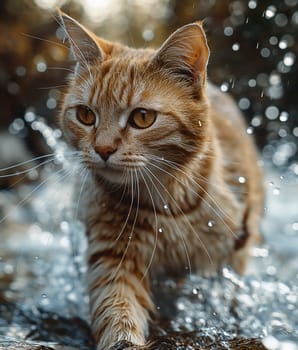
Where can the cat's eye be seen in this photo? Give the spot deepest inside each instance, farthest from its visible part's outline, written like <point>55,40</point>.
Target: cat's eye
<point>141,118</point>
<point>85,115</point>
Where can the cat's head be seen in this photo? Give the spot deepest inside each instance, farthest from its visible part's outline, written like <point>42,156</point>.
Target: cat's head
<point>134,109</point>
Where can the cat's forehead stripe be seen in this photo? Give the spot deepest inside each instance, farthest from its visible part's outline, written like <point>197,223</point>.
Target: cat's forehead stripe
<point>94,95</point>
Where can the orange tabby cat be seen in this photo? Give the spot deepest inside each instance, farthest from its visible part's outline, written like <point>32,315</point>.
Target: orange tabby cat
<point>175,184</point>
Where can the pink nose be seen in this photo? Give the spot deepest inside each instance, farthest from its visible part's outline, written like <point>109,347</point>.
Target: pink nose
<point>105,151</point>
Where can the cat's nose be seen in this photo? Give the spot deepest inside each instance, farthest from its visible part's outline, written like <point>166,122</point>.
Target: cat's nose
<point>105,151</point>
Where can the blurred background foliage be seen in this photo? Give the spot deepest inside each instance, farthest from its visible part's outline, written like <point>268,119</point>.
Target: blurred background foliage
<point>253,56</point>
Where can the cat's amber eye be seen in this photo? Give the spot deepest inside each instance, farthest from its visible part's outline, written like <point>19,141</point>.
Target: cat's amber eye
<point>85,115</point>
<point>141,118</point>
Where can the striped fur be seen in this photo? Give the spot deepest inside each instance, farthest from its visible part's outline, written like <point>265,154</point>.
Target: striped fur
<point>168,198</point>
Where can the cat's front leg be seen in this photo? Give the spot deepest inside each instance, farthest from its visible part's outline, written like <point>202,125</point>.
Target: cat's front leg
<point>119,299</point>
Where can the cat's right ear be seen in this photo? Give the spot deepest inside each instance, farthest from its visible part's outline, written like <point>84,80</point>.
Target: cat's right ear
<point>85,46</point>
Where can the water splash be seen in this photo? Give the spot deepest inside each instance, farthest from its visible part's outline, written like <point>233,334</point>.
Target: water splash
<point>42,265</point>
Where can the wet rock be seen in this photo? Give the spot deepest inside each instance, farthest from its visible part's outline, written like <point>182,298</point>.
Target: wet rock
<point>192,341</point>
<point>12,345</point>
<point>45,330</point>
<point>44,326</point>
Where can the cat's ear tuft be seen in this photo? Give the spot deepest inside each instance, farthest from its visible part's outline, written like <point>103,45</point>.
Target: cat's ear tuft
<point>85,46</point>
<point>185,54</point>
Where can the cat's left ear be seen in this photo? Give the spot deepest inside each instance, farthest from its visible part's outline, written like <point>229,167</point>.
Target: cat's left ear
<point>85,46</point>
<point>185,54</point>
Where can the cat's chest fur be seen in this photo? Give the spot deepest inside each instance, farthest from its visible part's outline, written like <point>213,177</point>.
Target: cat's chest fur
<point>180,227</point>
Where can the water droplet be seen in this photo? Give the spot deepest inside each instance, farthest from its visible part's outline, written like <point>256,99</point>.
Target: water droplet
<point>272,112</point>
<point>252,4</point>
<point>270,343</point>
<point>271,270</point>
<point>148,34</point>
<point>30,116</point>
<point>166,207</point>
<point>64,225</point>
<point>228,31</point>
<point>195,291</point>
<point>72,297</point>
<point>242,179</point>
<point>270,12</point>
<point>289,59</point>
<point>224,87</point>
<point>44,296</point>
<point>283,44</point>
<point>256,121</point>
<point>244,103</point>
<point>20,71</point>
<point>16,126</point>
<point>180,306</point>
<point>295,226</point>
<point>211,223</point>
<point>282,133</point>
<point>252,83</point>
<point>41,66</point>
<point>200,123</point>
<point>188,319</point>
<point>250,130</point>
<point>275,79</point>
<point>273,40</point>
<point>284,116</point>
<point>160,230</point>
<point>8,269</point>
<point>271,183</point>
<point>51,103</point>
<point>236,47</point>
<point>295,17</point>
<point>281,20</point>
<point>276,191</point>
<point>265,52</point>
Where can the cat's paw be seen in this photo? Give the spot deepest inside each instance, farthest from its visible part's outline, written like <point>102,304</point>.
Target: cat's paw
<point>126,345</point>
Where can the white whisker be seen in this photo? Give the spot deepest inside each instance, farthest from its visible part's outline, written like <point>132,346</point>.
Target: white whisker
<point>128,215</point>
<point>202,198</point>
<point>85,176</point>
<point>27,197</point>
<point>27,161</point>
<point>156,227</point>
<point>130,236</point>
<point>183,214</point>
<point>174,220</point>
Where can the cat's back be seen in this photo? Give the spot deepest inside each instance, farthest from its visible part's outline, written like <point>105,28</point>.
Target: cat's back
<point>239,156</point>
<point>230,126</point>
<point>223,106</point>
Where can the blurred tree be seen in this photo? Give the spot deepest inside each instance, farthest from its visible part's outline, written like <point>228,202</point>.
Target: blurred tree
<point>253,54</point>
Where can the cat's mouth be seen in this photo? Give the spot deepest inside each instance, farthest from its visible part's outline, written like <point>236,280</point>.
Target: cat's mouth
<point>121,172</point>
